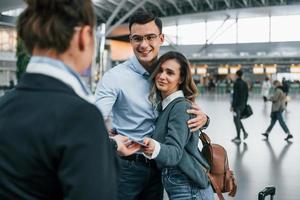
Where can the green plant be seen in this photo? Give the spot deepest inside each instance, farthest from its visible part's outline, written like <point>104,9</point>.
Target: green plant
<point>22,58</point>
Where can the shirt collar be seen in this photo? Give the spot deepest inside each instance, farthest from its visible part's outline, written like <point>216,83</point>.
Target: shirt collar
<point>138,68</point>
<point>171,97</point>
<point>58,70</point>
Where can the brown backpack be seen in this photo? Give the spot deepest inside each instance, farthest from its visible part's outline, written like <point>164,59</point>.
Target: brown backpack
<point>220,175</point>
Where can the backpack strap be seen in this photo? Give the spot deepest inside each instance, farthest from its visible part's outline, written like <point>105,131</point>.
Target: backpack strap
<point>206,141</point>
<point>215,186</point>
<point>204,138</point>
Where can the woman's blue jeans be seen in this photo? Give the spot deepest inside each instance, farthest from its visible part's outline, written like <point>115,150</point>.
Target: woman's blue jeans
<point>180,187</point>
<point>278,116</point>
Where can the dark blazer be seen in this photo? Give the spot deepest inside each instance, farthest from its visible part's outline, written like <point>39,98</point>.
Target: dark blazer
<point>240,95</point>
<point>53,144</point>
<point>179,147</point>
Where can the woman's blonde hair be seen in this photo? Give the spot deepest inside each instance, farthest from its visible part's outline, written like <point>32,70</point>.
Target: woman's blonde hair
<point>187,84</point>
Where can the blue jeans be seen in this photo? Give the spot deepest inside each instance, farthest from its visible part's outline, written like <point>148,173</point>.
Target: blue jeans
<point>139,181</point>
<point>277,116</point>
<point>180,187</point>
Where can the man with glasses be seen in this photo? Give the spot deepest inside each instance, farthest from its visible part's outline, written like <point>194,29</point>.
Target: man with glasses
<point>123,92</point>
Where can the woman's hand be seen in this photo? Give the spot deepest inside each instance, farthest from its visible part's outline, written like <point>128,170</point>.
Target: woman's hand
<point>149,148</point>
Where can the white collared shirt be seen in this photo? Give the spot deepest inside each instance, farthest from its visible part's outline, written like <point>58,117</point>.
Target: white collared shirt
<point>171,97</point>
<point>60,71</point>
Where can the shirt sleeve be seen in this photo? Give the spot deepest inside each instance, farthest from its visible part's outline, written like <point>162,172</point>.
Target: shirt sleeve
<point>155,152</point>
<point>106,94</point>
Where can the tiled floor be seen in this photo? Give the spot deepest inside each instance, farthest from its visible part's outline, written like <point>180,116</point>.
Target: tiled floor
<point>258,163</point>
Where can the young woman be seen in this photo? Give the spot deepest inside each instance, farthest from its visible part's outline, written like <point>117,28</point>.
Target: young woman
<point>278,105</point>
<point>173,146</point>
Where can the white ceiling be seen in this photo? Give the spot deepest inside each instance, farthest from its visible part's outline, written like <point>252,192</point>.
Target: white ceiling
<point>187,18</point>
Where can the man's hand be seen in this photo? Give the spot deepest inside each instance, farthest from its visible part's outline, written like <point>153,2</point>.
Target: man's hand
<point>125,146</point>
<point>199,121</point>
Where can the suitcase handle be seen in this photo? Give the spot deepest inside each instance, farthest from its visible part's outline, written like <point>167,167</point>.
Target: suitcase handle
<point>266,192</point>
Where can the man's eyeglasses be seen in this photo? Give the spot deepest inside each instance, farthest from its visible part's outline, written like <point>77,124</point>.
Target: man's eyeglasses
<point>140,38</point>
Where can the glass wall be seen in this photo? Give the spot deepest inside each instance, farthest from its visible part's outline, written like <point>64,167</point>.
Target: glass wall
<point>170,33</point>
<point>243,30</point>
<point>285,28</point>
<point>221,32</point>
<point>252,30</point>
<point>191,33</point>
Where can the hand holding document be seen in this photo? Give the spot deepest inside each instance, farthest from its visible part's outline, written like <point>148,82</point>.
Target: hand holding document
<point>126,146</point>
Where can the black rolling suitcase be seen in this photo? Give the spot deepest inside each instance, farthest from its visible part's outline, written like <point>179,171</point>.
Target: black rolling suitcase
<point>268,191</point>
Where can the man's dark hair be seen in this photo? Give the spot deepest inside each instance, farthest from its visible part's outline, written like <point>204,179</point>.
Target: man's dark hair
<point>239,73</point>
<point>142,17</point>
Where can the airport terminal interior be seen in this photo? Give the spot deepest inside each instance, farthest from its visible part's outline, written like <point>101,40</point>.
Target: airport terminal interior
<point>219,37</point>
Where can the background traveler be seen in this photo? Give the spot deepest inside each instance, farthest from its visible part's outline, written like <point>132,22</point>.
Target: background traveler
<point>265,89</point>
<point>239,102</point>
<point>278,106</point>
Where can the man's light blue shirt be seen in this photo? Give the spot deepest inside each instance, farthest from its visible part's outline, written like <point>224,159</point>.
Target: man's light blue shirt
<point>122,95</point>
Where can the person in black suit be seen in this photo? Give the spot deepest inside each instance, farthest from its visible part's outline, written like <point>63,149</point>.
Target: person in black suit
<point>239,102</point>
<point>53,141</point>
<point>285,89</point>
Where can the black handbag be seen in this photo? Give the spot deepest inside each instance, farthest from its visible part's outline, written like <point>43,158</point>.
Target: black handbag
<point>247,112</point>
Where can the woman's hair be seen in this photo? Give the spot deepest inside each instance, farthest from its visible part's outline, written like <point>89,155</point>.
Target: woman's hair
<point>50,24</point>
<point>187,85</point>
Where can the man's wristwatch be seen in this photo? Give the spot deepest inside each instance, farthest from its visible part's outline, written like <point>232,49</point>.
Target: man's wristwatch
<point>206,124</point>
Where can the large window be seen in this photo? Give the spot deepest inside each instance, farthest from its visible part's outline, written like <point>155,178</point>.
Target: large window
<point>285,28</point>
<point>191,34</point>
<point>243,30</point>
<point>170,33</point>
<point>221,32</point>
<point>251,30</point>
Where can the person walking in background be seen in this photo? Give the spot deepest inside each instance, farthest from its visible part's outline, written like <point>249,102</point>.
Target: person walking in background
<point>239,102</point>
<point>285,89</point>
<point>123,94</point>
<point>53,141</point>
<point>173,145</point>
<point>278,106</point>
<point>265,89</point>
<point>285,86</point>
